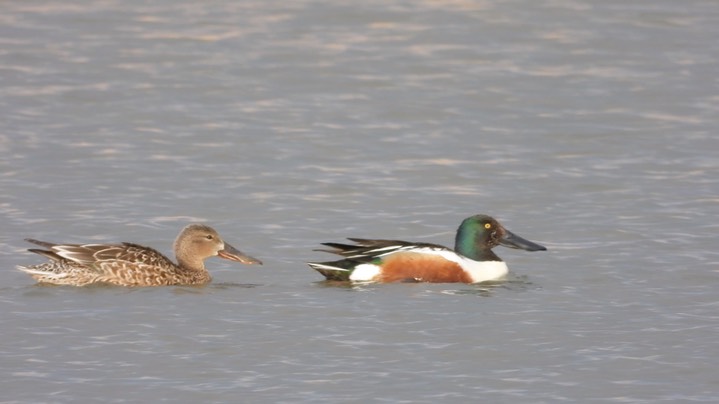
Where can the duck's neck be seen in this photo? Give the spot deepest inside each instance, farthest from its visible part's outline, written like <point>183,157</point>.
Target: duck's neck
<point>192,264</point>
<point>192,272</point>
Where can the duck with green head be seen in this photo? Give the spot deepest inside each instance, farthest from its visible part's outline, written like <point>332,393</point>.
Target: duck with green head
<point>471,261</point>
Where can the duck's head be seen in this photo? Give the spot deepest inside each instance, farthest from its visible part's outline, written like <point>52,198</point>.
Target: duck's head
<point>198,241</point>
<point>478,234</point>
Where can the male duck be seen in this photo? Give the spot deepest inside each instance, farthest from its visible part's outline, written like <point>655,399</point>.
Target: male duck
<point>129,264</point>
<point>472,260</point>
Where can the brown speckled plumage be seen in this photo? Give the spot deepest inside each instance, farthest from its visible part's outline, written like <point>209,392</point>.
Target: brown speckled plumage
<point>128,264</point>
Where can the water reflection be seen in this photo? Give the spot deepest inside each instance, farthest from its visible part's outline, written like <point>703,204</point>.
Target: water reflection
<point>515,283</point>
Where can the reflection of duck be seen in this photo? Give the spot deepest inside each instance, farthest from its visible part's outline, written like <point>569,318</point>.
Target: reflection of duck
<point>471,261</point>
<point>129,264</point>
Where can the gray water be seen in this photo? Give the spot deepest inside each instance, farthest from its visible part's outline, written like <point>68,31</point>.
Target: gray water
<point>586,126</point>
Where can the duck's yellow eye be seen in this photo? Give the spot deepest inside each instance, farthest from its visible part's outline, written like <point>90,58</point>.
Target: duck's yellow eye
<point>488,225</point>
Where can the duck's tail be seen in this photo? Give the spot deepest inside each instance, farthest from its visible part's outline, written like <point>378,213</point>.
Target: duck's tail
<point>330,271</point>
<point>43,272</point>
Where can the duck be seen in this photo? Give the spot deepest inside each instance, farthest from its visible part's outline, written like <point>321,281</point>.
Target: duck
<point>129,264</point>
<point>385,261</point>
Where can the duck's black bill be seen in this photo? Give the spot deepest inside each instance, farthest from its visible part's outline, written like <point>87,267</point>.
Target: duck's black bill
<point>233,254</point>
<point>512,240</point>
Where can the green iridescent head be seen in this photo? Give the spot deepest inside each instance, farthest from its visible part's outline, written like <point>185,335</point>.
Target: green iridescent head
<point>478,234</point>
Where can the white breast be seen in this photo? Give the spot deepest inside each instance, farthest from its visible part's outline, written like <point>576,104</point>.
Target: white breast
<point>479,271</point>
<point>482,271</point>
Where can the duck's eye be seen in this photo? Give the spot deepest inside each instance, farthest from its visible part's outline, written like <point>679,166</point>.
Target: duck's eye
<point>488,225</point>
<point>209,237</point>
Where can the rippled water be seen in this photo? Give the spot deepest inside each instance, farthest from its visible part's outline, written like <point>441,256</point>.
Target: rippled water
<point>587,126</point>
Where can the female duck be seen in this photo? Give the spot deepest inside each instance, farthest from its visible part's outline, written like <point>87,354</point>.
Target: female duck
<point>128,264</point>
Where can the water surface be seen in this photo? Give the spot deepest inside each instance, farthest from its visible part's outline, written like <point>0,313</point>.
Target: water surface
<point>588,127</point>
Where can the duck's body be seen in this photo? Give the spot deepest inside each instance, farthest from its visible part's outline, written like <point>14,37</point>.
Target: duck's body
<point>128,264</point>
<point>471,261</point>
